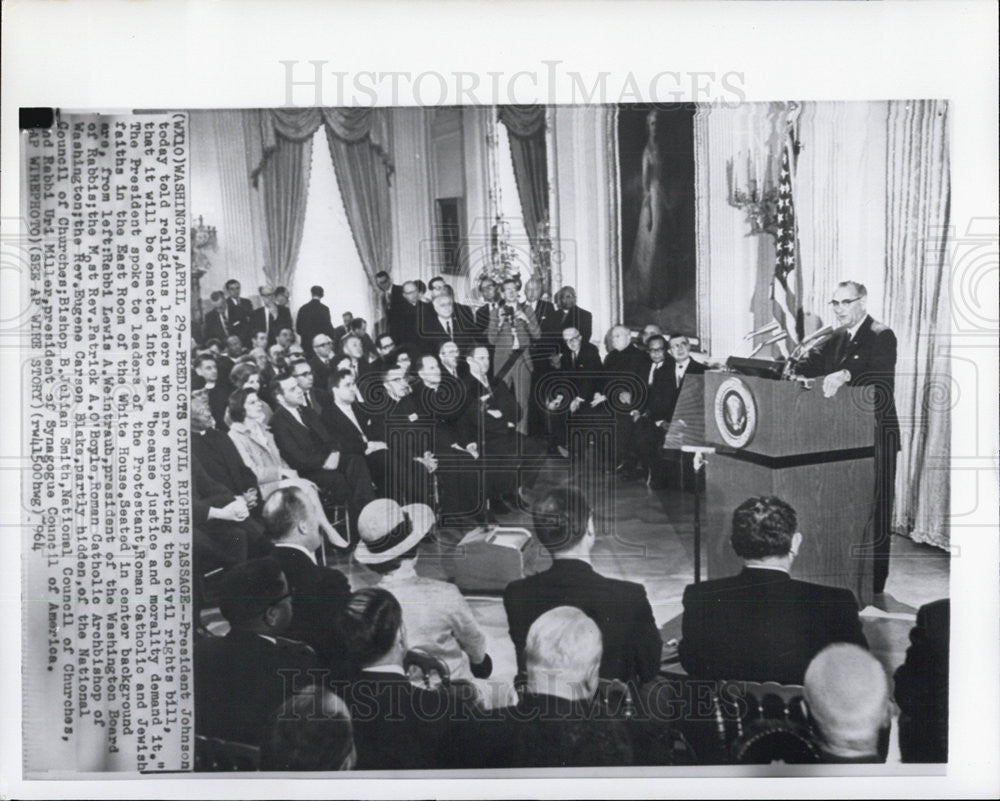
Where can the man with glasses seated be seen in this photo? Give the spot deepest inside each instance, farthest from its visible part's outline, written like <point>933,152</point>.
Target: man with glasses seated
<point>323,359</point>
<point>240,679</point>
<point>862,353</point>
<point>579,370</point>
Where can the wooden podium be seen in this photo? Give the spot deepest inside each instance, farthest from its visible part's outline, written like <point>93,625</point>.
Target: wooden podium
<point>816,453</point>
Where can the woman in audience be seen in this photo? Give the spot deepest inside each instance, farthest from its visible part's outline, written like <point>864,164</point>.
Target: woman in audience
<point>247,375</point>
<point>436,616</point>
<point>260,453</point>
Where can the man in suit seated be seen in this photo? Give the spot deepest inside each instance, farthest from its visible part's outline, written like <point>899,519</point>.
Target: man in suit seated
<point>763,625</point>
<point>847,695</point>
<point>625,369</point>
<point>318,593</point>
<point>317,397</point>
<point>443,405</point>
<point>308,447</point>
<point>217,454</point>
<point>493,411</point>
<point>353,427</point>
<point>225,533</point>
<point>322,361</point>
<point>578,366</point>
<point>557,722</point>
<point>564,524</point>
<point>921,687</point>
<point>652,418</point>
<point>216,387</point>
<point>241,679</point>
<point>396,420</point>
<point>217,324</point>
<point>397,726</point>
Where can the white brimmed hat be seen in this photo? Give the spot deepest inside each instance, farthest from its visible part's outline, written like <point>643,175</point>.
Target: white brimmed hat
<point>388,530</point>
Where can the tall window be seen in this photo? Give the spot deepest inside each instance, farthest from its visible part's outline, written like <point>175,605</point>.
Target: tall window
<point>328,255</point>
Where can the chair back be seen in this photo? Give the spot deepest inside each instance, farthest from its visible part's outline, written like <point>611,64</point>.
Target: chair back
<point>421,665</point>
<point>763,722</point>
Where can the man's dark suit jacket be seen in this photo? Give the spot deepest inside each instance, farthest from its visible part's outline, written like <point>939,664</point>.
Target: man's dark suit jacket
<point>313,318</point>
<point>319,595</point>
<point>433,334</point>
<point>921,687</point>
<point>262,320</point>
<point>621,610</point>
<point>871,359</point>
<point>220,543</point>
<point>216,452</point>
<point>304,446</point>
<point>218,401</point>
<point>671,387</point>
<point>580,319</point>
<point>239,318</point>
<point>347,435</point>
<point>322,371</point>
<point>241,679</point>
<point>215,328</point>
<point>621,364</point>
<point>404,322</point>
<point>763,625</point>
<point>398,726</point>
<point>584,371</point>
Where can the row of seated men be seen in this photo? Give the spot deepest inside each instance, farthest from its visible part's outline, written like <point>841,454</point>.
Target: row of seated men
<point>572,628</point>
<point>527,337</point>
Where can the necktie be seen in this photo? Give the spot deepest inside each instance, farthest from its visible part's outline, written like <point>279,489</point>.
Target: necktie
<point>680,376</point>
<point>652,372</point>
<point>447,325</point>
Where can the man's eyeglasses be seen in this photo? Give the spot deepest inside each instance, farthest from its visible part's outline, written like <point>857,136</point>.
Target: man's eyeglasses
<point>845,303</point>
<point>656,349</point>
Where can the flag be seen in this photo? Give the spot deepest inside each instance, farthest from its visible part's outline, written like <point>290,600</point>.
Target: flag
<point>786,286</point>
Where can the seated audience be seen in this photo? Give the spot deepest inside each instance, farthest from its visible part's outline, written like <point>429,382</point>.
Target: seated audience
<point>310,450</point>
<point>557,722</point>
<point>311,731</point>
<point>564,524</point>
<point>240,679</point>
<point>318,593</point>
<point>259,452</point>
<point>921,687</point>
<point>317,399</point>
<point>397,726</point>
<point>847,696</point>
<point>763,625</point>
<point>436,616</point>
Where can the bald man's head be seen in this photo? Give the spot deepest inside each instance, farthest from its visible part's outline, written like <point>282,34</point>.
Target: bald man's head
<point>847,693</point>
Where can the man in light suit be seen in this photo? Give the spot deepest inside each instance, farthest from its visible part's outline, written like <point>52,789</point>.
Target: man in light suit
<point>512,330</point>
<point>763,625</point>
<point>564,524</point>
<point>862,353</point>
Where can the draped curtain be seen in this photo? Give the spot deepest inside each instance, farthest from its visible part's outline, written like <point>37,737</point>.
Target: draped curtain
<point>526,126</point>
<point>359,141</point>
<point>917,309</point>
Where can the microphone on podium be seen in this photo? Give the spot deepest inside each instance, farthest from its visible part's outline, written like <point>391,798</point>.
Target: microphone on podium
<point>771,341</point>
<point>774,325</point>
